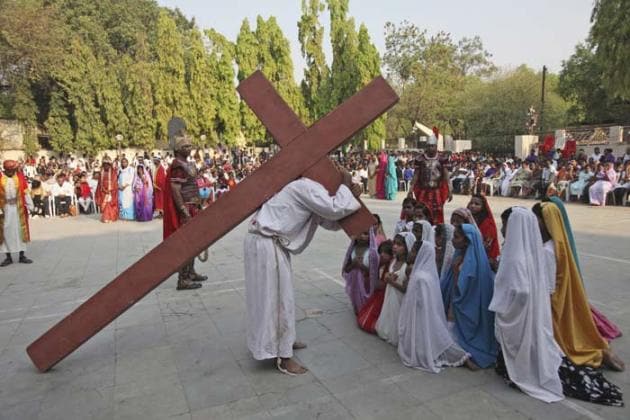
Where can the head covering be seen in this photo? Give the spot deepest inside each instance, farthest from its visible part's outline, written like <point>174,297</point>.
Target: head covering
<point>424,340</point>
<point>573,324</point>
<point>10,164</point>
<point>107,159</point>
<point>410,239</point>
<point>448,249</point>
<point>427,231</point>
<point>474,323</point>
<point>466,214</point>
<point>524,326</point>
<point>488,229</point>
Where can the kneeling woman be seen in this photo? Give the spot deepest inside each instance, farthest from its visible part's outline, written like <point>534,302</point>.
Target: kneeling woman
<point>467,291</point>
<point>424,339</point>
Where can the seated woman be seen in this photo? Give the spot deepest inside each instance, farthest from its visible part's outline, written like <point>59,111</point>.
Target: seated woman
<point>584,176</point>
<point>360,269</point>
<point>424,339</point>
<point>521,180</point>
<point>396,279</point>
<point>478,206</point>
<point>623,184</point>
<point>466,293</point>
<point>524,328</point>
<point>462,215</point>
<point>605,181</point>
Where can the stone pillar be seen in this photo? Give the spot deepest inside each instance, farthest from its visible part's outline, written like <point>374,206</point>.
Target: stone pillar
<point>523,144</point>
<point>401,143</point>
<point>615,134</point>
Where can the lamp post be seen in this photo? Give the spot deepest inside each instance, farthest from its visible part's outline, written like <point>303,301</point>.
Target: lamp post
<point>119,138</point>
<point>203,140</point>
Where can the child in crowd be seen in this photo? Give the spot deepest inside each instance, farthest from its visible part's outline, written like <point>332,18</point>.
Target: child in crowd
<point>422,212</point>
<point>369,313</point>
<point>378,230</point>
<point>406,217</point>
<point>484,219</point>
<point>360,270</point>
<point>396,279</point>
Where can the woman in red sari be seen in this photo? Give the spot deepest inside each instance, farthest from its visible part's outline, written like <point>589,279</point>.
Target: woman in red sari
<point>107,192</point>
<point>478,206</point>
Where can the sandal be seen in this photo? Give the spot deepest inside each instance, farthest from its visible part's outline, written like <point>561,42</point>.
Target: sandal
<point>286,371</point>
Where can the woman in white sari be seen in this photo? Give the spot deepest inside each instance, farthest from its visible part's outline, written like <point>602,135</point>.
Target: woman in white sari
<point>522,304</point>
<point>125,190</point>
<point>424,339</point>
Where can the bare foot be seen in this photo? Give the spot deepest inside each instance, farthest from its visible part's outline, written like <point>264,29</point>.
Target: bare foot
<point>290,367</point>
<point>471,365</point>
<point>613,362</point>
<point>298,345</point>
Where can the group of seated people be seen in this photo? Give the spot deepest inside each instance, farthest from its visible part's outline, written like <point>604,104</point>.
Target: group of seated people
<point>67,186</point>
<point>592,182</point>
<point>447,296</point>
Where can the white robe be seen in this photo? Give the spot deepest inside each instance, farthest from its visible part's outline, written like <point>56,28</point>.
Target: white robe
<point>12,231</point>
<point>521,301</point>
<point>284,225</point>
<point>387,322</point>
<point>424,340</point>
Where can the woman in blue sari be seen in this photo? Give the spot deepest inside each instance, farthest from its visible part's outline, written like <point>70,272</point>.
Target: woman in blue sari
<point>467,289</point>
<point>391,179</point>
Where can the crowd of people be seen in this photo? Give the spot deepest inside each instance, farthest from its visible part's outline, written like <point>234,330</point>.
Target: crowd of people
<point>446,295</point>
<point>597,179</point>
<point>125,187</point>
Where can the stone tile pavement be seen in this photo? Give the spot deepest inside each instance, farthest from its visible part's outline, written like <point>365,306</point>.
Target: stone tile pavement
<point>182,355</point>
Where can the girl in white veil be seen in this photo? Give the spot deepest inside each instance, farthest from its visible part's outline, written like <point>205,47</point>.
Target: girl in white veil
<point>424,339</point>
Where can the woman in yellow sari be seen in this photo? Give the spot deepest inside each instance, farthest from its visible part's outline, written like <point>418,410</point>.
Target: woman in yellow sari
<point>574,329</point>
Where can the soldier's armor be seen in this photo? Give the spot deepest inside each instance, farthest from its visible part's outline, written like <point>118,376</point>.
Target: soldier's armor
<point>430,172</point>
<point>189,188</point>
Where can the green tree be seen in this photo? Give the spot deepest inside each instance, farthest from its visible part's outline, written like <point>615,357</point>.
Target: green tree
<point>581,84</point>
<point>58,122</point>
<point>496,110</point>
<point>169,85</point>
<point>368,67</point>
<point>610,37</point>
<point>25,111</point>
<point>344,77</point>
<point>247,59</point>
<point>316,72</point>
<point>227,118</point>
<point>274,60</point>
<point>200,80</point>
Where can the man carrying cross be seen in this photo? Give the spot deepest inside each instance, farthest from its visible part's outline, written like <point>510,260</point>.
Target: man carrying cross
<point>285,225</point>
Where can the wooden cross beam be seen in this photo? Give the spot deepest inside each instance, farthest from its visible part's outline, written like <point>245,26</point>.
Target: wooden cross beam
<point>302,153</point>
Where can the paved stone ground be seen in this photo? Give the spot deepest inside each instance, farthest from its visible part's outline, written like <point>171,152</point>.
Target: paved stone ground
<point>182,355</point>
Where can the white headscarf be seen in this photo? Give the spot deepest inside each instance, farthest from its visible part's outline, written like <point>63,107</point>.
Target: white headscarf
<point>523,323</point>
<point>449,249</point>
<point>424,340</point>
<point>410,239</point>
<point>427,231</point>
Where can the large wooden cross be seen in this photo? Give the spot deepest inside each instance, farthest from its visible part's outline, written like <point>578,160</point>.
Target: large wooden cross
<point>304,153</point>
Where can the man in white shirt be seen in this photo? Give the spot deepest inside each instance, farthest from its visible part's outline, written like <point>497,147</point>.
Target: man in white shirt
<point>596,156</point>
<point>283,226</point>
<point>62,194</point>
